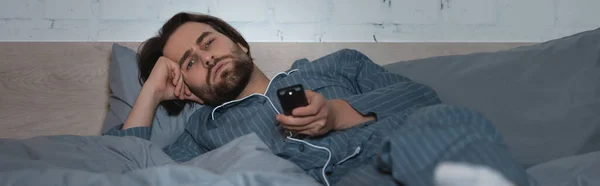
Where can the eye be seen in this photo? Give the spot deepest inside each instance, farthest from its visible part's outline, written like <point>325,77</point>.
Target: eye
<point>192,61</point>
<point>208,43</point>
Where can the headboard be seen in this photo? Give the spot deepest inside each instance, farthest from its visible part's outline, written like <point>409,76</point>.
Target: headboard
<point>62,88</point>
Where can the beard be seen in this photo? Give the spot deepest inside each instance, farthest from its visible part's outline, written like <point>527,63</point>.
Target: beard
<point>233,81</point>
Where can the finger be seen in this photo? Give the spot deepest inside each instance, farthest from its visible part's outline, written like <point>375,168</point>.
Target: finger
<point>179,81</point>
<point>194,98</point>
<point>314,132</point>
<point>294,121</point>
<point>188,92</point>
<point>181,89</point>
<point>309,95</point>
<point>309,132</point>
<point>177,74</point>
<point>297,128</point>
<point>177,90</point>
<point>316,124</point>
<point>173,77</point>
<point>309,110</point>
<point>317,101</point>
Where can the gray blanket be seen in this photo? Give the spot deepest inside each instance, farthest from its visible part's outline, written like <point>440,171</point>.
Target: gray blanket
<point>580,170</point>
<point>107,160</point>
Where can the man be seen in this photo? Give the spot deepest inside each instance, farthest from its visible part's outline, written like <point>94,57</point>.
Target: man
<point>365,125</point>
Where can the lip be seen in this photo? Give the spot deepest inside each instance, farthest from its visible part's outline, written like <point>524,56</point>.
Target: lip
<point>217,70</point>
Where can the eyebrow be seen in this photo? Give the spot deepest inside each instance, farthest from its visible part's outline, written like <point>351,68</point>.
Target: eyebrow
<point>189,51</point>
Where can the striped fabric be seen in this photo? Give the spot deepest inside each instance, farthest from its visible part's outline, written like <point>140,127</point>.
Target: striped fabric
<point>368,88</point>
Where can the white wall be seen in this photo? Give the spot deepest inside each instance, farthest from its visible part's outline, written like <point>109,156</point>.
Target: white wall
<point>305,20</point>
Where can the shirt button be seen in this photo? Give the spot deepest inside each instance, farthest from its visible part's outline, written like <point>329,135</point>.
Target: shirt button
<point>328,172</point>
<point>301,147</point>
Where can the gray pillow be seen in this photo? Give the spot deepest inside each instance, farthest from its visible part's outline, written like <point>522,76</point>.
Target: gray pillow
<point>125,87</point>
<point>544,98</point>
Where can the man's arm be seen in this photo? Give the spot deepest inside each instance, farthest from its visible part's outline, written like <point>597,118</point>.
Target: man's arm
<point>143,110</point>
<point>139,120</point>
<point>379,93</point>
<point>345,116</point>
<point>184,148</point>
<point>164,83</point>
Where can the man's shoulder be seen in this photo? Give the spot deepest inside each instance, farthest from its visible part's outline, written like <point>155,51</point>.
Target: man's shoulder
<point>351,52</point>
<point>344,55</point>
<point>201,111</point>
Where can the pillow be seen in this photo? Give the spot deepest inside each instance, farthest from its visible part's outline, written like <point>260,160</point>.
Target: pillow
<point>544,98</point>
<point>125,87</point>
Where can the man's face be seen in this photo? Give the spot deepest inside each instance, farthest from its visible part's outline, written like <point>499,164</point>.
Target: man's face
<point>214,68</point>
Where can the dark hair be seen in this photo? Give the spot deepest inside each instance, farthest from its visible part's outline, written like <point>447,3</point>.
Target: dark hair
<point>152,49</point>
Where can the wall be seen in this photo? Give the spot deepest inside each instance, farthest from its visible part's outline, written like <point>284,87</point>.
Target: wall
<point>305,20</point>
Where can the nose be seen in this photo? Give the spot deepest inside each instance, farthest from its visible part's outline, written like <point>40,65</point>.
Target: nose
<point>207,58</point>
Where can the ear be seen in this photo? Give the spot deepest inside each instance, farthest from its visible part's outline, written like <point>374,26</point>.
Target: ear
<point>243,48</point>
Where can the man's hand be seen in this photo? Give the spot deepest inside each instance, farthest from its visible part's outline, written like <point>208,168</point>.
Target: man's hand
<point>322,116</point>
<point>315,119</point>
<point>166,82</point>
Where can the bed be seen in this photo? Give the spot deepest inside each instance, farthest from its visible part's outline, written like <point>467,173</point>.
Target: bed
<point>543,97</point>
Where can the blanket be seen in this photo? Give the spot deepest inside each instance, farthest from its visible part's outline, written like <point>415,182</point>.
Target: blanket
<point>106,160</point>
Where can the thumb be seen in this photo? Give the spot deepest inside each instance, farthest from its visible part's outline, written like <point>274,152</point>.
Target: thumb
<point>315,98</point>
<point>194,98</point>
<point>309,95</point>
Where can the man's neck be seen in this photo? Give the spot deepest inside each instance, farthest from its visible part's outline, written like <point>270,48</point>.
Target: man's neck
<point>258,83</point>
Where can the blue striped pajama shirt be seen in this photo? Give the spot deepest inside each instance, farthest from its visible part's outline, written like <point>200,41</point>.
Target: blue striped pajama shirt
<point>413,130</point>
